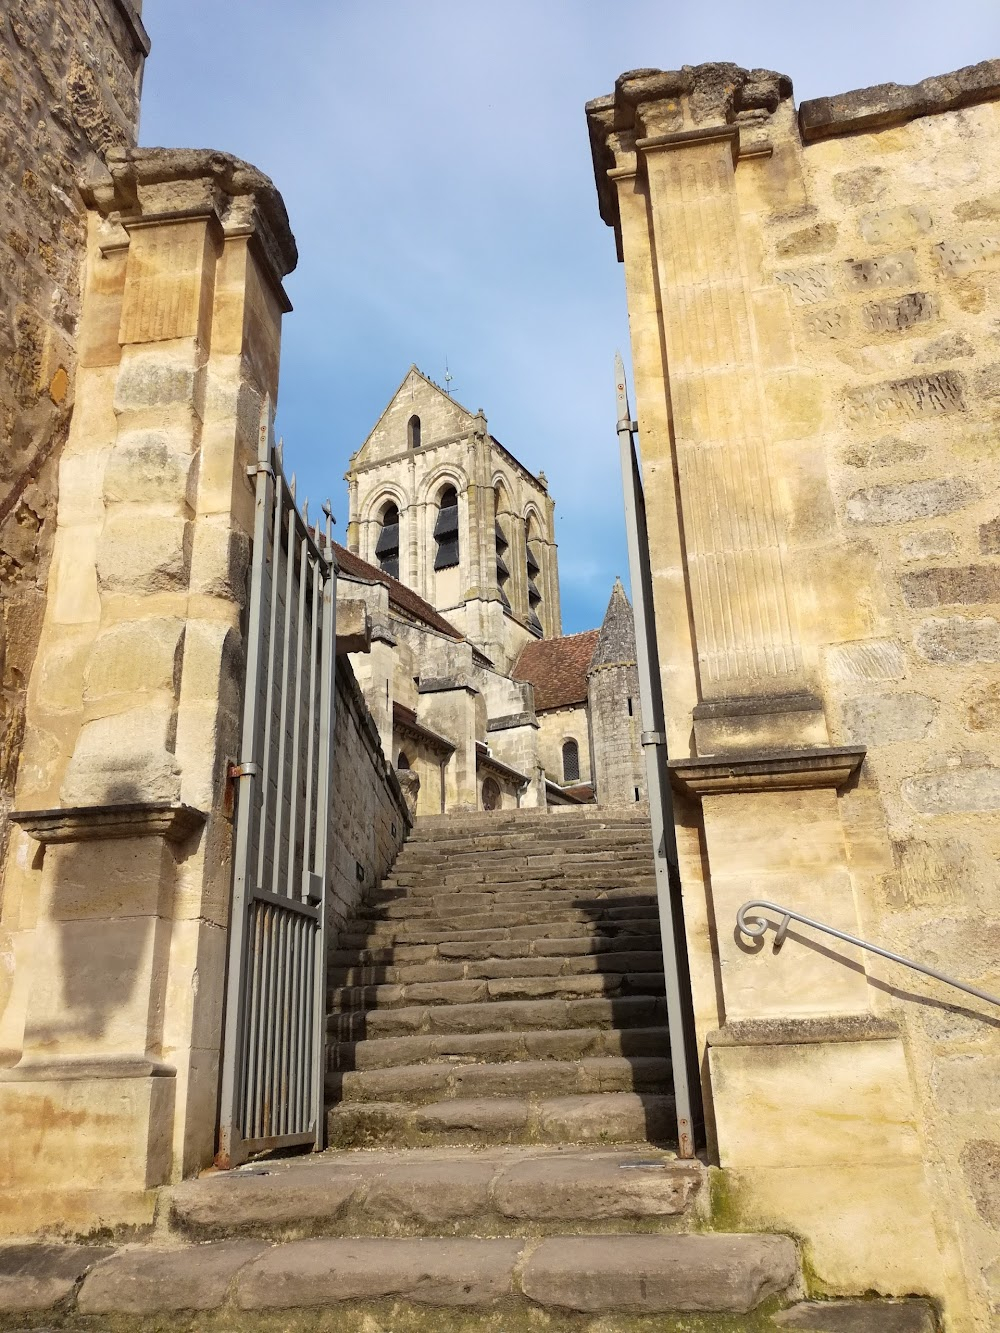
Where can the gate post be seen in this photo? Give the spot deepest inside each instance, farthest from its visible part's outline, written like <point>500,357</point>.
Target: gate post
<point>810,1104</point>
<point>118,882</point>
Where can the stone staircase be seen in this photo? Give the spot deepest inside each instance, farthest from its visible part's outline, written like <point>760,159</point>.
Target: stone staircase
<point>500,1129</point>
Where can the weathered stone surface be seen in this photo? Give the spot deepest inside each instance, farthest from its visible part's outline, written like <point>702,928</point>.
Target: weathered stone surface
<point>874,659</point>
<point>237,1200</point>
<point>983,708</point>
<point>37,1277</point>
<point>604,1186</point>
<point>955,585</point>
<point>910,399</point>
<point>882,271</point>
<point>895,103</point>
<point>935,544</point>
<point>149,1281</point>
<point>860,1317</point>
<point>487,1115</point>
<point>960,640</point>
<point>890,226</point>
<point>981,1168</point>
<point>879,719</point>
<point>659,1274</point>
<point>431,1193</point>
<point>989,537</point>
<point>616,1117</point>
<point>814,240</point>
<point>901,313</point>
<point>955,791</point>
<point>901,502</point>
<point>313,1273</point>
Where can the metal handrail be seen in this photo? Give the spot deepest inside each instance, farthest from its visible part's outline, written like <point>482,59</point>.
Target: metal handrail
<point>759,928</point>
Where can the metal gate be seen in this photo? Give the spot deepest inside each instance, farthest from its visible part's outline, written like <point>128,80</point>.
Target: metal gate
<point>274,1050</point>
<point>680,1007</point>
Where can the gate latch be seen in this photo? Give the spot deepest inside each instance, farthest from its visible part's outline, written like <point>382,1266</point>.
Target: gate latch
<point>248,770</point>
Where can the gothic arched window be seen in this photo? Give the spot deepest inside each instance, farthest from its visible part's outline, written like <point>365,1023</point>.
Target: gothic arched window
<point>446,530</point>
<point>502,545</point>
<point>533,570</point>
<point>403,762</point>
<point>387,546</point>
<point>413,432</point>
<point>571,761</point>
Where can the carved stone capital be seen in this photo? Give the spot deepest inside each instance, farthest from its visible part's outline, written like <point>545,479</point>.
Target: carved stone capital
<point>657,108</point>
<point>142,185</point>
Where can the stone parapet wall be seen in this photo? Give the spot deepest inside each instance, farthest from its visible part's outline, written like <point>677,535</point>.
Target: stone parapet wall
<point>70,74</point>
<point>370,819</point>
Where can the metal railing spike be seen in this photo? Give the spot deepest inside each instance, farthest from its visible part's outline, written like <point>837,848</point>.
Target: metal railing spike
<point>757,928</point>
<point>305,511</point>
<point>291,486</point>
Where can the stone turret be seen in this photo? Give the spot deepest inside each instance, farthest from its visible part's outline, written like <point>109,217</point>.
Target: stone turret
<point>613,702</point>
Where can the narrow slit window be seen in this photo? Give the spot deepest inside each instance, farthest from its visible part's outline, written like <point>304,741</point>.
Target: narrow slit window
<point>387,546</point>
<point>571,761</point>
<point>413,433</point>
<point>446,530</point>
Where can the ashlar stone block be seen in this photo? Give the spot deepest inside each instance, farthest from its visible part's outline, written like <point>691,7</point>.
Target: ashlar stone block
<point>125,757</point>
<point>142,553</point>
<point>134,657</point>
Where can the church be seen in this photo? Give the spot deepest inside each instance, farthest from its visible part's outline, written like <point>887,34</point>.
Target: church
<point>472,684</point>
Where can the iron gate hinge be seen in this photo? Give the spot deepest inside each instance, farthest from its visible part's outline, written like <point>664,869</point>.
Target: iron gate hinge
<point>254,468</point>
<point>247,770</point>
<point>652,738</point>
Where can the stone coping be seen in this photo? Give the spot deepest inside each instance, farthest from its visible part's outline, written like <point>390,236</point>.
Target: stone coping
<point>832,1028</point>
<point>135,25</point>
<point>783,770</point>
<point>866,110</point>
<point>88,823</point>
<point>511,720</point>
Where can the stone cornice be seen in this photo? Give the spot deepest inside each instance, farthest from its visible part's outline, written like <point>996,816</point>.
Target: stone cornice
<point>789,770</point>
<point>138,33</point>
<point>650,105</point>
<point>88,823</point>
<point>146,184</point>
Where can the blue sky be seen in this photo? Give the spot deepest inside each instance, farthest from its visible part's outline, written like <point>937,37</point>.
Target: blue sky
<point>435,164</point>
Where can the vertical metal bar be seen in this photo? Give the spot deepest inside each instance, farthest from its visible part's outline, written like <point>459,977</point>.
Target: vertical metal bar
<point>266,818</point>
<point>281,1017</point>
<point>300,1054</point>
<point>276,886</point>
<point>270,1025</point>
<point>247,799</point>
<point>251,986</point>
<point>308,853</point>
<point>324,815</point>
<point>680,1019</point>
<point>294,881</point>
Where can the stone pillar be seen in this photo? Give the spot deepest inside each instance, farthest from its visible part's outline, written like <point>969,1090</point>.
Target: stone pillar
<point>119,881</point>
<point>804,1079</point>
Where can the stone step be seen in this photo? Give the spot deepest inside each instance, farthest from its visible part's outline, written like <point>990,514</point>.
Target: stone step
<point>420,1084</point>
<point>509,881</point>
<point>625,1012</point>
<point>608,1117</point>
<point>604,963</point>
<point>538,915</point>
<point>403,904</point>
<point>603,845</point>
<point>397,996</point>
<point>568,1044</point>
<point>335,1282</point>
<point>442,1191</point>
<point>360,955</point>
<point>394,934</point>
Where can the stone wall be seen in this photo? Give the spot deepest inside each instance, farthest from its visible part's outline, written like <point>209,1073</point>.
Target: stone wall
<point>615,726</point>
<point>370,817</point>
<point>555,727</point>
<point>822,490</point>
<point>70,73</point>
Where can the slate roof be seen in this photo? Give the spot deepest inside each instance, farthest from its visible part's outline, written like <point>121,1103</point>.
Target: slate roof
<point>400,597</point>
<point>557,668</point>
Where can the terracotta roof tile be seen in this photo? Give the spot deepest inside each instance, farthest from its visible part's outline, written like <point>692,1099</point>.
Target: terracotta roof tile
<point>402,598</point>
<point>557,668</point>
